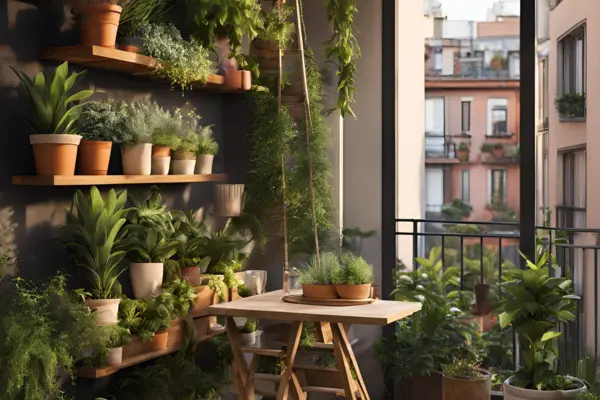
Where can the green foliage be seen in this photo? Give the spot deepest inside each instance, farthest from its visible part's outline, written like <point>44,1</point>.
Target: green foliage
<point>156,317</point>
<point>42,329</point>
<point>183,297</point>
<point>116,336</point>
<point>222,246</point>
<point>101,120</point>
<point>166,129</point>
<point>150,212</point>
<point>464,368</point>
<point>571,105</point>
<point>225,18</point>
<point>465,228</point>
<point>343,47</point>
<point>182,62</point>
<point>229,278</point>
<point>217,284</point>
<point>321,273</point>
<point>140,120</point>
<point>243,290</point>
<point>276,25</point>
<point>498,343</point>
<point>307,337</point>
<point>354,271</point>
<point>498,377</point>
<point>250,326</point>
<point>130,313</point>
<point>137,13</point>
<point>227,265</point>
<point>206,142</point>
<point>189,143</point>
<point>150,246</point>
<point>534,305</point>
<point>456,210</point>
<point>463,147</point>
<point>51,101</point>
<point>352,239</point>
<point>96,238</point>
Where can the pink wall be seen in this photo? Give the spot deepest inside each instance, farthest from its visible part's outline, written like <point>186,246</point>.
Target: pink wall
<point>504,27</point>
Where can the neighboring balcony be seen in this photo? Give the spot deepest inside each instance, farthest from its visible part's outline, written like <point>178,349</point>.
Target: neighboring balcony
<point>494,152</point>
<point>446,149</point>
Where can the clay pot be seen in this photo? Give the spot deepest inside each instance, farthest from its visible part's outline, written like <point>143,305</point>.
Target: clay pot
<point>137,159</point>
<point>93,157</point>
<point>99,24</point>
<point>483,303</point>
<point>146,278</point>
<point>192,275</point>
<point>204,164</point>
<point>516,393</point>
<point>498,152</point>
<point>462,155</point>
<point>106,310</point>
<point>55,154</point>
<point>233,78</point>
<point>161,165</point>
<point>353,292</point>
<point>131,44</point>
<point>183,167</point>
<point>246,80</point>
<point>466,389</point>
<point>319,291</point>
<point>228,200</point>
<point>115,356</point>
<point>159,341</point>
<point>266,44</point>
<point>419,387</point>
<point>161,151</point>
<point>248,339</point>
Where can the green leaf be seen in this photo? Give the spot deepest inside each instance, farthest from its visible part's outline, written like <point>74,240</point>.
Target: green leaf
<point>550,335</point>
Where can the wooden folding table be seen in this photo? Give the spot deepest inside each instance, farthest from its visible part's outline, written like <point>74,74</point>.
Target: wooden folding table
<point>271,306</point>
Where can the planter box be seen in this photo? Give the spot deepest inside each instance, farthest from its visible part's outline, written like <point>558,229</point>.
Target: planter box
<point>137,346</point>
<point>419,388</point>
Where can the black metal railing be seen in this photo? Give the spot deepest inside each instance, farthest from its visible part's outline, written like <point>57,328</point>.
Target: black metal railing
<point>439,146</point>
<point>484,250</point>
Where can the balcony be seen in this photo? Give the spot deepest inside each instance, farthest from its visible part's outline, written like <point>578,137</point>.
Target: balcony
<point>446,149</point>
<point>499,153</point>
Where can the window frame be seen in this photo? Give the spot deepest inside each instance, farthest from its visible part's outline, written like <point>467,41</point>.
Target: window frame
<point>568,210</point>
<point>567,65</point>
<point>465,124</point>
<point>465,190</point>
<point>490,194</point>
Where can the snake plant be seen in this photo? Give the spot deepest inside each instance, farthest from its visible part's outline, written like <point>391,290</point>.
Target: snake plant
<point>51,103</point>
<point>96,239</point>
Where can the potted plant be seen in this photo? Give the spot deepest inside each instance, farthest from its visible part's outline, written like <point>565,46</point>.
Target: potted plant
<point>276,31</point>
<point>164,139</point>
<point>98,125</point>
<point>134,15</point>
<point>207,149</point>
<point>135,137</point>
<point>456,210</point>
<point>248,332</point>
<point>534,305</point>
<point>148,252</point>
<point>571,105</point>
<point>155,321</point>
<point>184,155</point>
<point>354,279</point>
<point>228,200</point>
<point>464,380</point>
<point>183,297</point>
<point>317,277</point>
<point>99,21</point>
<point>463,152</point>
<point>498,150</point>
<point>52,114</point>
<point>112,354</point>
<point>94,218</point>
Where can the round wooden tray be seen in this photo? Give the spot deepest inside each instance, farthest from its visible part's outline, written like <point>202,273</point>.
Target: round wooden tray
<point>325,302</point>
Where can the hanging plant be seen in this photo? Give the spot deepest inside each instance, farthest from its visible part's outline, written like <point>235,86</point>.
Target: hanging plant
<point>343,47</point>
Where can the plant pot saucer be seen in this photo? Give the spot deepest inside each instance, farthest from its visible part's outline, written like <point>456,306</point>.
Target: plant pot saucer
<point>326,302</point>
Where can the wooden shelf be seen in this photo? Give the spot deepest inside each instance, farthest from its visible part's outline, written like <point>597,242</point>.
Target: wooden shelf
<point>89,180</point>
<point>122,61</point>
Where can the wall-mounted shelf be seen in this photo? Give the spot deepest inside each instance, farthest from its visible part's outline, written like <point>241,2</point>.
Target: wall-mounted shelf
<point>122,61</point>
<point>89,180</point>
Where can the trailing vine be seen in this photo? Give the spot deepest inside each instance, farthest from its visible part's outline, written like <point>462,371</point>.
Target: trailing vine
<point>343,46</point>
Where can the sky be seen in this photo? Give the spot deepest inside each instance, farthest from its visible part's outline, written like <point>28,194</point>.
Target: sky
<point>472,10</point>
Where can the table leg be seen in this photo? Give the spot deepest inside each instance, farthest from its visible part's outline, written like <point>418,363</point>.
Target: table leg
<point>350,355</point>
<point>240,367</point>
<point>342,364</point>
<point>292,349</point>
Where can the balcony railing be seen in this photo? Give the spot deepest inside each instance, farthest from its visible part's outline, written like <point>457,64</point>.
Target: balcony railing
<point>439,146</point>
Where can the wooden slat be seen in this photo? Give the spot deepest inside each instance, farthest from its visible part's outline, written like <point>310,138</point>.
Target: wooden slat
<point>267,377</point>
<point>318,389</point>
<point>264,352</point>
<point>88,180</point>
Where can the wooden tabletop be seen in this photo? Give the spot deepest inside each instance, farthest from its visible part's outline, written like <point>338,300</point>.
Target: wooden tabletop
<point>271,306</point>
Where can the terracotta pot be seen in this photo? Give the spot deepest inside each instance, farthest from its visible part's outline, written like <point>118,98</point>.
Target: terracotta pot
<point>137,159</point>
<point>132,44</point>
<point>266,44</point>
<point>115,356</point>
<point>161,151</point>
<point>106,310</point>
<point>483,303</point>
<point>99,24</point>
<point>205,297</point>
<point>55,154</point>
<point>146,278</point>
<point>319,291</point>
<point>498,152</point>
<point>354,292</point>
<point>233,78</point>
<point>515,393</point>
<point>248,339</point>
<point>204,164</point>
<point>246,80</point>
<point>466,389</point>
<point>93,157</point>
<point>161,165</point>
<point>228,200</point>
<point>192,275</point>
<point>419,388</point>
<point>462,155</point>
<point>159,341</point>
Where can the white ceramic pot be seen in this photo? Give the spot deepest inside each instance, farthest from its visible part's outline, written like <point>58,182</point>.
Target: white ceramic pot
<point>248,339</point>
<point>183,167</point>
<point>160,165</point>
<point>146,278</point>
<point>114,357</point>
<point>204,164</point>
<point>137,158</point>
<point>516,393</point>
<point>106,310</point>
<point>228,200</point>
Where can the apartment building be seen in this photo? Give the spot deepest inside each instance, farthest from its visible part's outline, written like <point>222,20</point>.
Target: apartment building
<point>472,117</point>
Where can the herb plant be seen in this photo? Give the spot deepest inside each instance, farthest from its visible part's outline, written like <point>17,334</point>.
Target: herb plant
<point>137,13</point>
<point>189,143</point>
<point>206,142</point>
<point>276,25</point>
<point>165,130</point>
<point>463,368</point>
<point>101,120</point>
<point>321,273</point>
<point>354,271</point>
<point>183,297</point>
<point>250,326</point>
<point>51,102</point>
<point>139,122</point>
<point>217,284</point>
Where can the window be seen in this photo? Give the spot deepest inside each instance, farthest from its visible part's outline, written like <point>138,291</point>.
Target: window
<point>497,186</point>
<point>571,214</point>
<point>543,94</point>
<point>465,186</point>
<point>514,65</point>
<point>437,59</point>
<point>571,62</point>
<point>465,107</point>
<point>497,117</point>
